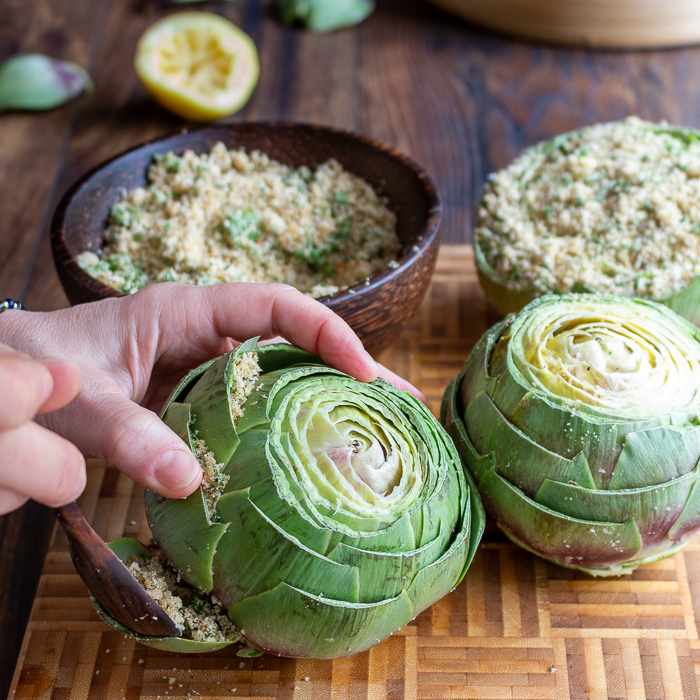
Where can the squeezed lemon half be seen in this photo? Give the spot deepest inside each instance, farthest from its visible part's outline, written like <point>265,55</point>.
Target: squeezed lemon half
<point>198,65</point>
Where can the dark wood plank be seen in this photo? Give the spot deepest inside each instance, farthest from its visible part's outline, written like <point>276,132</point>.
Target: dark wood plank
<point>33,145</point>
<point>32,148</point>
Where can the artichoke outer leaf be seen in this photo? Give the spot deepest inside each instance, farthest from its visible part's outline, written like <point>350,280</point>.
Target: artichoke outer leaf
<point>688,521</point>
<point>654,509</point>
<point>292,520</point>
<point>655,456</point>
<point>489,431</point>
<point>282,355</point>
<point>278,622</point>
<point>126,549</point>
<point>184,533</point>
<point>476,523</point>
<point>475,376</point>
<point>377,570</point>
<point>178,417</point>
<point>180,392</point>
<point>449,569</point>
<point>476,464</point>
<point>385,540</point>
<point>548,532</point>
<point>211,409</point>
<point>246,468</point>
<point>559,428</point>
<point>286,560</point>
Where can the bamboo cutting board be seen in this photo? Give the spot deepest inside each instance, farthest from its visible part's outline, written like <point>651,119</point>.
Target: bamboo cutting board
<point>516,627</point>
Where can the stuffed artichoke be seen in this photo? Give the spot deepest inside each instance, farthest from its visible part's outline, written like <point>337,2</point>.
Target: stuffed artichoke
<point>579,419</point>
<point>332,512</point>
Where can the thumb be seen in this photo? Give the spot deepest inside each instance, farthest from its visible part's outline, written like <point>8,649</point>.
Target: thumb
<point>138,443</point>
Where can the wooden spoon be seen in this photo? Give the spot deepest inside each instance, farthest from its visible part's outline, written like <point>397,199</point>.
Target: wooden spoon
<point>114,588</point>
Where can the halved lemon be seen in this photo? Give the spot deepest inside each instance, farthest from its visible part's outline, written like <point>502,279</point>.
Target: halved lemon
<point>198,65</point>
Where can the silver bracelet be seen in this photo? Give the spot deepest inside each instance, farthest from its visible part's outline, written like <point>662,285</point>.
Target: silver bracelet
<point>10,304</point>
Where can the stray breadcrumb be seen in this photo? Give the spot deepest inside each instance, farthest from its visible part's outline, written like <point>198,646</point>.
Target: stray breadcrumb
<point>611,208</point>
<point>232,216</point>
<point>197,618</point>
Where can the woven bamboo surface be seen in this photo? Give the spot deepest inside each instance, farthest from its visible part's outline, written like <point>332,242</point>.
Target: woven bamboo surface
<point>516,627</point>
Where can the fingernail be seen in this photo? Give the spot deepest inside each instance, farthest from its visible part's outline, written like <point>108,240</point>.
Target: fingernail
<point>176,470</point>
<point>370,359</point>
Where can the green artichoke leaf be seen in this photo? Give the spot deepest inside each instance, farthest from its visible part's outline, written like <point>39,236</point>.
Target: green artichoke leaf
<point>180,392</point>
<point>276,356</point>
<point>286,560</point>
<point>594,545</point>
<point>384,574</point>
<point>489,431</point>
<point>477,464</point>
<point>210,397</point>
<point>446,569</point>
<point>184,533</point>
<point>689,520</point>
<point>476,376</point>
<point>654,510</point>
<point>656,456</point>
<point>276,620</point>
<point>569,432</point>
<point>178,416</point>
<point>128,549</point>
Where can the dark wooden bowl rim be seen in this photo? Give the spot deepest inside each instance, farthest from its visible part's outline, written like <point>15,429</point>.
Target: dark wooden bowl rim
<point>410,252</point>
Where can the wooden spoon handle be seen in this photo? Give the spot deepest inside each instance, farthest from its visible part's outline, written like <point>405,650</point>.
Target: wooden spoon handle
<point>109,581</point>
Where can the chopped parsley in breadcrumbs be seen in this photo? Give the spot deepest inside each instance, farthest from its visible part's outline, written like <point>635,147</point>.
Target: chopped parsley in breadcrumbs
<point>195,616</point>
<point>233,216</point>
<point>611,208</point>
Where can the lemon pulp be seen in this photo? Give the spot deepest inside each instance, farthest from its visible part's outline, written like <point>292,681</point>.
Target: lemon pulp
<point>198,65</point>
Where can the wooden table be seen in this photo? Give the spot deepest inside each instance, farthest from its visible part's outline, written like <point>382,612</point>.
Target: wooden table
<point>461,101</point>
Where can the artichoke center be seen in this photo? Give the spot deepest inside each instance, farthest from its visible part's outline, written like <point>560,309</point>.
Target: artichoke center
<point>630,360</point>
<point>352,456</point>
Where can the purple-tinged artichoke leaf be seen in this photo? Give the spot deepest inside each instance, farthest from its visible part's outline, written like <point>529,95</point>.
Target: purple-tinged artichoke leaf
<point>36,82</point>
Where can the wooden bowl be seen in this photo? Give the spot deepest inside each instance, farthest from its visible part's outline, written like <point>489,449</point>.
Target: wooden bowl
<point>605,23</point>
<point>378,310</point>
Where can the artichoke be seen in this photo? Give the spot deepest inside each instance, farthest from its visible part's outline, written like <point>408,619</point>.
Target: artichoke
<point>332,512</point>
<point>579,419</point>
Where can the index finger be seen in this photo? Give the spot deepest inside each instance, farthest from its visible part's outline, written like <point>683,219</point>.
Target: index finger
<point>242,311</point>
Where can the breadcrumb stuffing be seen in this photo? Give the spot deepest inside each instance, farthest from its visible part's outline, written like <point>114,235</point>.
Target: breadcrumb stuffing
<point>233,216</point>
<point>197,618</point>
<point>611,208</point>
<point>214,479</point>
<point>246,370</point>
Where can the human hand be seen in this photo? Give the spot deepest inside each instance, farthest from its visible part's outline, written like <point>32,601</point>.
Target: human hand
<point>133,351</point>
<point>35,462</point>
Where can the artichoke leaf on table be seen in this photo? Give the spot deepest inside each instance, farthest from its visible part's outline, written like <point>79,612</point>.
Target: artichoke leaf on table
<point>332,511</point>
<point>579,419</point>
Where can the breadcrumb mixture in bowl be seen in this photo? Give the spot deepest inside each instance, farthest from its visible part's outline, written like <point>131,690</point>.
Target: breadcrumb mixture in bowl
<point>612,208</point>
<point>233,216</point>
